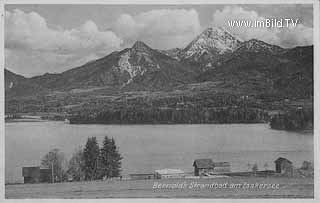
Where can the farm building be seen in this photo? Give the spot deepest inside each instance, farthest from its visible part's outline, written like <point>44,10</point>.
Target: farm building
<point>307,165</point>
<point>169,173</point>
<point>221,167</point>
<point>207,166</point>
<point>141,176</point>
<point>35,174</point>
<point>31,174</point>
<point>202,166</point>
<point>283,166</point>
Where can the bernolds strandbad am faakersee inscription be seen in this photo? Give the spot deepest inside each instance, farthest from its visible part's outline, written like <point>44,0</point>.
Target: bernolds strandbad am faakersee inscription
<point>159,101</point>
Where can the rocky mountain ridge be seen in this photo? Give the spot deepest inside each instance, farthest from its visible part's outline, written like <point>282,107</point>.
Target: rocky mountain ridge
<point>215,55</point>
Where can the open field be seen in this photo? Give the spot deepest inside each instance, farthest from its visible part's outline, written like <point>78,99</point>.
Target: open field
<point>191,188</point>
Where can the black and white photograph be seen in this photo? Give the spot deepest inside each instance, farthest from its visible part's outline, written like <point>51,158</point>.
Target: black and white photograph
<point>161,100</point>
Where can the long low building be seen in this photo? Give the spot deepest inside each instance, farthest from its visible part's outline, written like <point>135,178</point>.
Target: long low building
<point>169,173</point>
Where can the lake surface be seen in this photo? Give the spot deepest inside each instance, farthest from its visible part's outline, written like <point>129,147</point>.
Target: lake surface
<point>146,148</point>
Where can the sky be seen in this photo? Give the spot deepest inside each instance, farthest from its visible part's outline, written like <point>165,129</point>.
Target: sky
<point>53,38</point>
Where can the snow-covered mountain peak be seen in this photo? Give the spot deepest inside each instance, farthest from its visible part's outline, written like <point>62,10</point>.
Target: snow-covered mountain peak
<point>214,41</point>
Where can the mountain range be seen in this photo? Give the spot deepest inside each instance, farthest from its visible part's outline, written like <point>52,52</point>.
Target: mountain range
<point>215,55</point>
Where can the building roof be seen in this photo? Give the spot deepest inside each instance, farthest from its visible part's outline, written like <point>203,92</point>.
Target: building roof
<point>45,171</point>
<point>169,171</point>
<point>281,159</point>
<point>30,171</point>
<point>203,163</point>
<point>221,164</point>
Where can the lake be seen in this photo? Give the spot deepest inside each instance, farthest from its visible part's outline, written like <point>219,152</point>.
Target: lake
<point>146,148</point>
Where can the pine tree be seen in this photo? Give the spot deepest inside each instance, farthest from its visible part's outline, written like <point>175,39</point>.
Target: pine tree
<point>115,160</point>
<point>105,158</point>
<point>91,158</point>
<point>110,159</point>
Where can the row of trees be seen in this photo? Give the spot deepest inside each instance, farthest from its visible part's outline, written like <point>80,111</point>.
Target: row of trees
<point>90,163</point>
<point>298,119</point>
<point>172,115</point>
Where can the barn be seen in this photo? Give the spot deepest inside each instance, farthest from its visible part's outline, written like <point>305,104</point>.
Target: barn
<point>31,174</point>
<point>202,166</point>
<point>283,166</point>
<point>35,174</point>
<point>208,167</point>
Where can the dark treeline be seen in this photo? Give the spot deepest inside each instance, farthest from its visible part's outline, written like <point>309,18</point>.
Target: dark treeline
<point>195,109</point>
<point>172,116</point>
<point>55,104</point>
<point>294,119</point>
<point>166,108</point>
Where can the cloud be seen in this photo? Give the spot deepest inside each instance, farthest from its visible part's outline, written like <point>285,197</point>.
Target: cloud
<point>298,36</point>
<point>30,31</point>
<point>162,28</point>
<point>286,37</point>
<point>33,47</point>
<point>28,37</point>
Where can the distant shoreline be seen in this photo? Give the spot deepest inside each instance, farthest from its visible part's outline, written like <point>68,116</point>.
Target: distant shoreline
<point>23,120</point>
<point>304,131</point>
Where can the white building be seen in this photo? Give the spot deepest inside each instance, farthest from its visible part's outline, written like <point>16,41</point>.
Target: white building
<point>169,173</point>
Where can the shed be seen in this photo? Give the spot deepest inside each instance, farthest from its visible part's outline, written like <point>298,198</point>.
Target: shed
<point>169,173</point>
<point>202,166</point>
<point>31,174</point>
<point>283,165</point>
<point>307,165</point>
